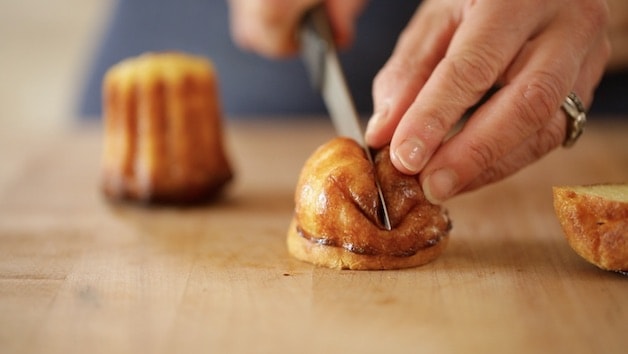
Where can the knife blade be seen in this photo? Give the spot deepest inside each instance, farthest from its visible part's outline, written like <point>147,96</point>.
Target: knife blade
<point>326,74</point>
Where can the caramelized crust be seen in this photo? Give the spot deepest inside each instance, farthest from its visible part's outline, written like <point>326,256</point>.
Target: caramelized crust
<point>163,134</point>
<point>336,221</point>
<point>595,222</point>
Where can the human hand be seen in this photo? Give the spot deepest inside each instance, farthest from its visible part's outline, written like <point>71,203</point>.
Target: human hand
<point>269,28</point>
<point>451,53</point>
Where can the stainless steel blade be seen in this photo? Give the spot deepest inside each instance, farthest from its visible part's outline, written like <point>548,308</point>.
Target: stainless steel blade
<point>321,59</point>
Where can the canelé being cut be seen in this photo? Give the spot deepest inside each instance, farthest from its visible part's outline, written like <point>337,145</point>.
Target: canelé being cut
<point>336,221</point>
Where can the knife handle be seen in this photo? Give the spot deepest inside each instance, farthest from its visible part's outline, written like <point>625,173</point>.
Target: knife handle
<point>316,39</point>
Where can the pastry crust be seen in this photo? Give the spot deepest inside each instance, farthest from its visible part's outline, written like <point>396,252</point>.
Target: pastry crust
<point>336,222</point>
<point>594,220</point>
<point>162,130</point>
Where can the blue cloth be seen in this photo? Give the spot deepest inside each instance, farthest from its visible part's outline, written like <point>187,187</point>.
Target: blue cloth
<point>251,85</point>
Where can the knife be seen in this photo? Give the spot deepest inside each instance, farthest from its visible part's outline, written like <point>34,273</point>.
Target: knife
<point>321,60</point>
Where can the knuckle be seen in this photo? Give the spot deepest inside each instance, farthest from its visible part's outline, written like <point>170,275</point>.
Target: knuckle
<point>438,122</point>
<point>489,175</point>
<point>594,17</point>
<point>483,154</point>
<point>264,27</point>
<point>548,138</point>
<point>270,12</point>
<point>389,76</point>
<point>597,13</point>
<point>540,100</point>
<point>401,71</point>
<point>475,70</point>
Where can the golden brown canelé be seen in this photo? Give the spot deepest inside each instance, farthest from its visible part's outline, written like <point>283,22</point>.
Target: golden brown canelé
<point>163,139</point>
<point>594,219</point>
<point>336,222</point>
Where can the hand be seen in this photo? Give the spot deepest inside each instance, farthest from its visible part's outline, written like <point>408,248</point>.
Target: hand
<point>269,27</point>
<point>451,53</point>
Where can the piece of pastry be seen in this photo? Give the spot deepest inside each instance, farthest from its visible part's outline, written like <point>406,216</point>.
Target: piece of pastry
<point>336,221</point>
<point>594,219</point>
<point>163,139</point>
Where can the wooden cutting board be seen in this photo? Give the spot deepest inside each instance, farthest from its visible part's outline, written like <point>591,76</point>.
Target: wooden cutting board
<point>79,274</point>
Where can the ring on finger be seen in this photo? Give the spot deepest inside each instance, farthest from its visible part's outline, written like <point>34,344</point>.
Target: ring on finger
<point>576,118</point>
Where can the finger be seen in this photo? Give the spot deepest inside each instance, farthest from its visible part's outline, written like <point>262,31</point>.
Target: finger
<point>420,47</point>
<point>482,47</point>
<point>532,149</point>
<point>267,27</point>
<point>343,16</point>
<point>523,107</point>
<point>553,134</point>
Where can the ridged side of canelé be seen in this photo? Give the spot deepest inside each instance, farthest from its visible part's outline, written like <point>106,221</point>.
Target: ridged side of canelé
<point>162,130</point>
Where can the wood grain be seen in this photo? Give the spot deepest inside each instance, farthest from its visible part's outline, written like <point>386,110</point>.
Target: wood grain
<point>80,274</point>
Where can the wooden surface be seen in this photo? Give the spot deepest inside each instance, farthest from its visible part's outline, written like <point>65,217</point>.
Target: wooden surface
<point>78,274</point>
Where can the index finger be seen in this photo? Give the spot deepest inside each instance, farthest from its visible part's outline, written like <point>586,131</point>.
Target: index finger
<point>488,37</point>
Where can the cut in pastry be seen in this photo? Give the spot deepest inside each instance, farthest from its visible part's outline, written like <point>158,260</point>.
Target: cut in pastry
<point>336,222</point>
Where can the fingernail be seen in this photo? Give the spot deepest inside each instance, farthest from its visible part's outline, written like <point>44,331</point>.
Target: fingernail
<point>440,185</point>
<point>377,121</point>
<point>411,154</point>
